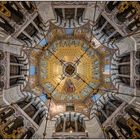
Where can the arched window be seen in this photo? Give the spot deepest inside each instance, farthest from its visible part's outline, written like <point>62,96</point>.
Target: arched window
<point>28,6</point>
<point>111,5</point>
<point>16,14</point>
<point>2,70</point>
<point>13,125</point>
<point>70,124</point>
<point>134,114</point>
<point>1,55</point>
<point>28,134</point>
<point>138,69</point>
<point>126,13</point>
<point>101,116</point>
<point>5,113</point>
<point>124,128</point>
<point>6,26</point>
<point>124,69</point>
<point>17,76</point>
<point>108,107</point>
<point>111,133</point>
<point>138,84</point>
<point>138,54</point>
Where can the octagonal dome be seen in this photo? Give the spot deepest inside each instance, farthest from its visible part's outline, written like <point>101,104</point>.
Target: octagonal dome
<point>70,68</point>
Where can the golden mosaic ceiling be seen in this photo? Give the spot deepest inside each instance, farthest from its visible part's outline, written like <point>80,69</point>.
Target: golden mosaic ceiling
<point>69,68</point>
<point>52,71</point>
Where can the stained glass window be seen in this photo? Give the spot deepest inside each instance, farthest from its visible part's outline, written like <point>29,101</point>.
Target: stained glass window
<point>43,97</point>
<point>69,31</point>
<point>95,97</point>
<point>106,69</point>
<point>43,42</point>
<point>32,70</point>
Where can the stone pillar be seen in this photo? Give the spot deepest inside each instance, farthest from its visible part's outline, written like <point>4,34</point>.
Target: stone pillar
<point>26,34</point>
<point>6,113</point>
<point>94,129</point>
<point>50,129</point>
<point>28,104</point>
<point>16,76</point>
<point>123,63</point>
<point>123,75</point>
<point>104,113</point>
<point>36,27</point>
<point>28,134</point>
<point>111,35</point>
<point>103,26</point>
<point>64,125</point>
<point>132,67</point>
<point>2,103</point>
<point>24,69</point>
<point>16,64</point>
<point>75,13</point>
<point>76,126</point>
<point>14,124</point>
<point>112,105</point>
<point>63,13</point>
<point>112,5</point>
<point>36,114</point>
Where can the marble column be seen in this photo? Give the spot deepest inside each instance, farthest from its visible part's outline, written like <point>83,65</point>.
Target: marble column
<point>63,13</point>
<point>111,36</point>
<point>36,114</point>
<point>64,125</point>
<point>76,126</point>
<point>124,63</point>
<point>123,75</point>
<point>103,27</point>
<point>28,105</point>
<point>104,113</point>
<point>75,13</point>
<point>16,76</point>
<point>16,64</point>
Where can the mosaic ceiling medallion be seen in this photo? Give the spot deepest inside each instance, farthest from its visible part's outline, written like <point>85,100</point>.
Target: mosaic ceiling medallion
<point>69,69</point>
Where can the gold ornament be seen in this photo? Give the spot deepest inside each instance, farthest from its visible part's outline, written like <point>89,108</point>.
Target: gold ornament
<point>4,11</point>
